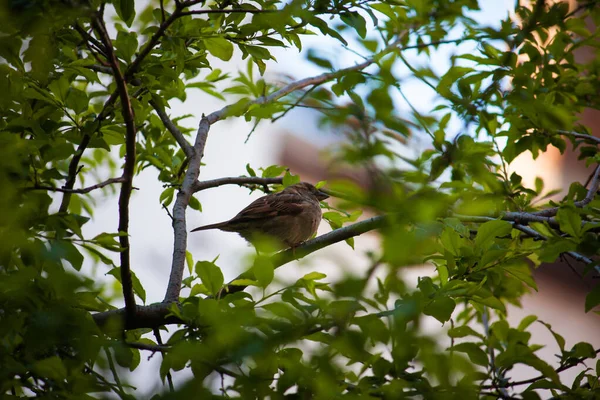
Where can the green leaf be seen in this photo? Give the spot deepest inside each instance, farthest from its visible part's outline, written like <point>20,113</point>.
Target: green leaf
<point>126,44</point>
<point>289,179</point>
<point>525,322</point>
<point>463,331</point>
<point>125,10</point>
<point>355,20</point>
<point>264,271</point>
<point>60,88</point>
<point>52,368</point>
<point>210,275</point>
<point>313,276</point>
<point>583,350</point>
<point>67,251</point>
<point>138,289</point>
<point>284,311</point>
<point>440,308</point>
<point>272,171</point>
<point>569,221</point>
<point>219,47</point>
<point>251,172</point>
<point>107,241</point>
<point>189,259</point>
<point>521,271</point>
<point>592,299</point>
<point>488,231</point>
<point>77,100</point>
<point>195,204</point>
<point>166,197</point>
<point>473,351</point>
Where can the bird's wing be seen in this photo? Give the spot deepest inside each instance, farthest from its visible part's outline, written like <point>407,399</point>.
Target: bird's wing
<point>271,206</point>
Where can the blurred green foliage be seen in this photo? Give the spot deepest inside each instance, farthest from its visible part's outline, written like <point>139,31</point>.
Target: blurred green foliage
<point>521,90</point>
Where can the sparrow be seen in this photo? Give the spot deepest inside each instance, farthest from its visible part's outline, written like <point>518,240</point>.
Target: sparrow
<point>291,216</point>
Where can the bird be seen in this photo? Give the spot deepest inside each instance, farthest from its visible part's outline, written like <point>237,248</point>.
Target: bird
<point>290,217</point>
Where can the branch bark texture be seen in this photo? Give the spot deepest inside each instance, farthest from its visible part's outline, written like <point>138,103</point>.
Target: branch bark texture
<point>181,203</point>
<point>128,168</point>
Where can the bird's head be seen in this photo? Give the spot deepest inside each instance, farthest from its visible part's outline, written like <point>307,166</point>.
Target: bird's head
<point>305,187</point>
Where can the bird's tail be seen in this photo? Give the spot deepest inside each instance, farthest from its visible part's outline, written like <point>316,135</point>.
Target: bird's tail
<point>211,226</point>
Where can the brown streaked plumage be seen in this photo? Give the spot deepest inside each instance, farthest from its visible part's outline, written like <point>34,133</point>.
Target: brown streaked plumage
<point>290,216</point>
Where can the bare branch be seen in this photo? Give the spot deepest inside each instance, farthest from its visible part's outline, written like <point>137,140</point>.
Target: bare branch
<point>181,140</point>
<point>583,136</point>
<point>238,180</point>
<point>150,347</point>
<point>76,191</point>
<point>149,316</point>
<point>302,83</point>
<point>594,186</point>
<point>99,68</point>
<point>128,168</point>
<point>79,191</point>
<point>227,11</point>
<point>181,203</point>
<point>89,38</point>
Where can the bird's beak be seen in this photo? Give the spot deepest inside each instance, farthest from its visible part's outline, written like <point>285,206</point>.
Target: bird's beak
<point>321,195</point>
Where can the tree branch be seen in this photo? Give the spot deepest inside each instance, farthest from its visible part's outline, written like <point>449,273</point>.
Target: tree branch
<point>594,186</point>
<point>226,11</point>
<point>79,191</point>
<point>311,246</point>
<point>128,168</point>
<point>149,316</point>
<point>237,180</point>
<point>150,347</point>
<point>181,203</point>
<point>302,83</point>
<point>583,136</point>
<point>530,232</point>
<point>89,38</point>
<point>572,364</point>
<point>158,314</point>
<point>187,148</point>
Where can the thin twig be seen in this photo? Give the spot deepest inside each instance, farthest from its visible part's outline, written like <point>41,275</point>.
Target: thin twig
<point>79,191</point>
<point>111,365</point>
<point>302,83</point>
<point>156,332</point>
<point>238,180</point>
<point>168,212</point>
<point>560,369</point>
<point>227,11</point>
<point>594,186</point>
<point>128,168</point>
<point>580,136</point>
<point>89,38</point>
<point>149,347</point>
<point>99,68</point>
<point>162,11</point>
